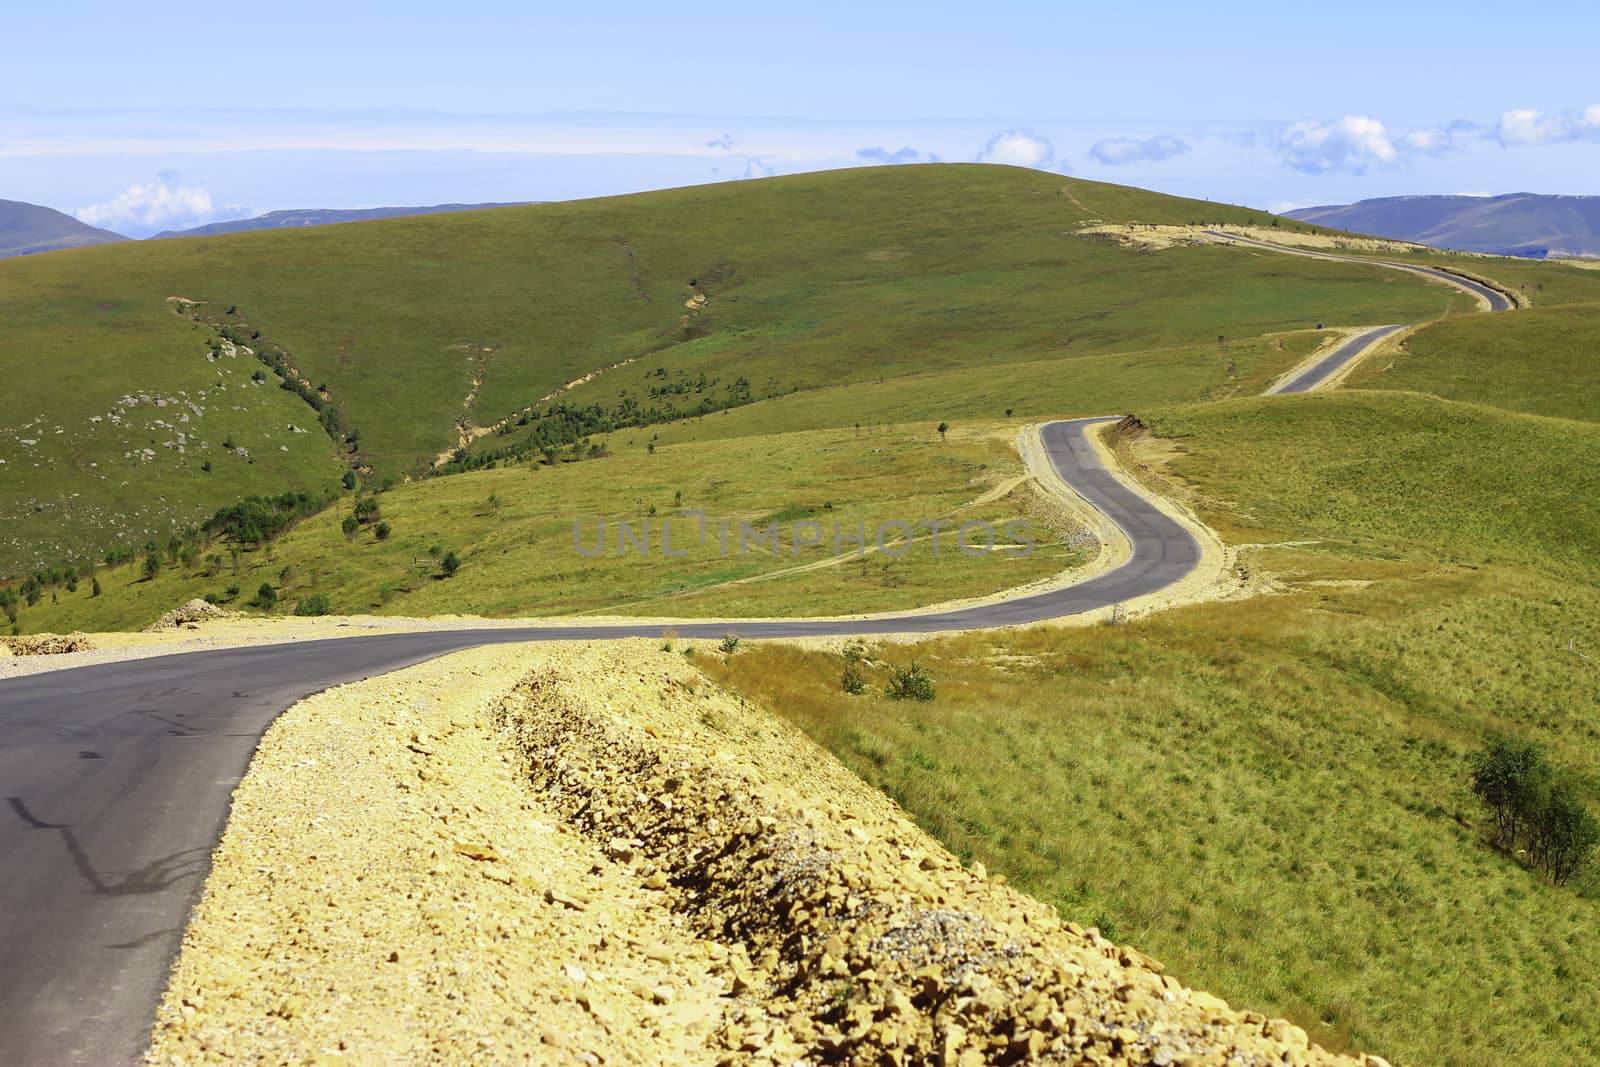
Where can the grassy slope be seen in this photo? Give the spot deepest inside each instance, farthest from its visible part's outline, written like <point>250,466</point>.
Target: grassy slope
<point>1270,796</point>
<point>1541,361</point>
<point>813,280</point>
<point>73,346</point>
<point>518,555</point>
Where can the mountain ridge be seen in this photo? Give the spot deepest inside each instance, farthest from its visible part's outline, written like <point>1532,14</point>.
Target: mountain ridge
<point>29,228</point>
<point>1529,225</point>
<point>294,217</point>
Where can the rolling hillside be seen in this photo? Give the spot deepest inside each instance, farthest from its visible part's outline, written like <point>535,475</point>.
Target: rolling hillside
<point>1517,224</point>
<point>29,228</point>
<point>409,337</point>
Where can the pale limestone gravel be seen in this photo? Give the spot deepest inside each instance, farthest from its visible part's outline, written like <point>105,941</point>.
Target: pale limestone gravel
<point>591,854</point>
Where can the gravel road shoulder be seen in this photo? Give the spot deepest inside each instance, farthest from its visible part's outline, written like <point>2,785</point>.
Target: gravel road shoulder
<point>591,854</point>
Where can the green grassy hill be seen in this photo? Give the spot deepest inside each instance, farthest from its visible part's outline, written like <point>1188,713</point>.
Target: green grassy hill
<point>402,329</point>
<point>1271,796</point>
<point>1542,361</point>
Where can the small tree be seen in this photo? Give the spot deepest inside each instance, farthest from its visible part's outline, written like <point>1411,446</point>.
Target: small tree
<point>94,587</point>
<point>944,428</point>
<point>266,597</point>
<point>450,564</point>
<point>152,566</point>
<point>349,479</point>
<point>350,525</point>
<point>911,683</point>
<point>382,530</point>
<point>852,682</point>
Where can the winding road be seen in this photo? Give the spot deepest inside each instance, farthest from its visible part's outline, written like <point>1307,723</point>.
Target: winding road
<point>117,777</point>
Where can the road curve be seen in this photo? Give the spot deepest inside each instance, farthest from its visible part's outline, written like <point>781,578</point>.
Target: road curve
<point>1319,372</point>
<point>1497,300</point>
<point>117,777</point>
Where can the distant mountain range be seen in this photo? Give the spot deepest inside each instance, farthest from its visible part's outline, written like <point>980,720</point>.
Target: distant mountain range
<point>26,228</point>
<point>1517,224</point>
<point>273,220</point>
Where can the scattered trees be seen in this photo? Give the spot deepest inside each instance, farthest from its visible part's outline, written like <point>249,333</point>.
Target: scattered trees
<point>1535,810</point>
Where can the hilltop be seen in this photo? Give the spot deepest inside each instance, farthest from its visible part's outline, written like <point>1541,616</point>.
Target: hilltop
<point>1516,224</point>
<point>29,228</point>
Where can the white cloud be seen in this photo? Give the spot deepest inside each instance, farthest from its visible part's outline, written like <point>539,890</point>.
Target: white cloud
<point>1282,207</point>
<point>1529,126</point>
<point>725,142</point>
<point>902,155</point>
<point>163,204</point>
<point>1120,151</point>
<point>1018,148</point>
<point>755,168</point>
<point>1351,145</point>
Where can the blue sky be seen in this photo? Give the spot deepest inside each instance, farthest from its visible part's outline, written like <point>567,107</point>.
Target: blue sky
<point>141,119</point>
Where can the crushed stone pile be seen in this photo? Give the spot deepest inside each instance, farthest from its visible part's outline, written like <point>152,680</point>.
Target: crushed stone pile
<point>45,644</point>
<point>855,938</point>
<point>195,611</point>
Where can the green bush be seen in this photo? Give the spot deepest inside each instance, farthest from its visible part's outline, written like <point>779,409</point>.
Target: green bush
<point>450,564</point>
<point>350,525</point>
<point>152,566</point>
<point>729,645</point>
<point>852,682</point>
<point>911,683</point>
<point>315,604</point>
<point>383,530</point>
<point>266,597</point>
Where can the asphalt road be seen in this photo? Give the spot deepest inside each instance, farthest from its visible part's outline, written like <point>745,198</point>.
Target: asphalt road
<point>1498,301</point>
<point>117,777</point>
<point>1326,367</point>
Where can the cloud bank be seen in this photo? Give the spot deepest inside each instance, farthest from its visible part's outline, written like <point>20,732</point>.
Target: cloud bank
<point>903,155</point>
<point>1529,126</point>
<point>1121,151</point>
<point>1018,148</point>
<point>163,204</point>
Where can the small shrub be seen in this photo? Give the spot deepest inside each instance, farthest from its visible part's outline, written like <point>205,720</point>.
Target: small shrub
<point>911,683</point>
<point>349,480</point>
<point>94,587</point>
<point>729,645</point>
<point>382,530</point>
<point>350,525</point>
<point>852,682</point>
<point>152,566</point>
<point>266,597</point>
<point>450,564</point>
<point>315,604</point>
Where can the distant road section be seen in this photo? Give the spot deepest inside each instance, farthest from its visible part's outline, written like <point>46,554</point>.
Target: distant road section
<point>1496,299</point>
<point>1334,361</point>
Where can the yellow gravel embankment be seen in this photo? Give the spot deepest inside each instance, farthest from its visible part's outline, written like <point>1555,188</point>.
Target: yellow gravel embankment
<point>590,854</point>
